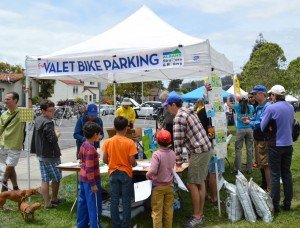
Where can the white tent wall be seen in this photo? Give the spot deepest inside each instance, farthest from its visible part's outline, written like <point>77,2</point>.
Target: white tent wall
<point>142,32</point>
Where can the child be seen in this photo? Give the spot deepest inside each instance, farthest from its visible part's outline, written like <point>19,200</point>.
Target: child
<point>118,153</point>
<point>161,174</point>
<point>90,194</point>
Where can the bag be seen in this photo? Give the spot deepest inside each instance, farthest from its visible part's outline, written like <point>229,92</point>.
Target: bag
<point>296,130</point>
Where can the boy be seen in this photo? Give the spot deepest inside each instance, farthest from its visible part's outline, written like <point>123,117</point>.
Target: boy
<point>90,198</point>
<point>161,174</point>
<point>45,145</point>
<point>118,153</point>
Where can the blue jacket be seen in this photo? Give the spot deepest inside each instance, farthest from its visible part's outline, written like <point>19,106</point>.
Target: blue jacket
<point>255,122</point>
<point>278,122</point>
<point>78,132</point>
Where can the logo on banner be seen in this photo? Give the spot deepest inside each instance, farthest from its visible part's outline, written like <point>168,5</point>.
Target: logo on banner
<point>172,58</point>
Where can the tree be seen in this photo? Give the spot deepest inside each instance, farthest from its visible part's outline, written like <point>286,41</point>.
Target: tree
<point>11,69</point>
<point>267,67</point>
<point>293,76</point>
<point>175,85</point>
<point>47,87</point>
<point>258,43</point>
<point>132,90</point>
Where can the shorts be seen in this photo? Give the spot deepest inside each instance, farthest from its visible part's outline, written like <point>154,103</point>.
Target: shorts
<point>49,171</point>
<point>198,167</point>
<point>10,157</point>
<point>221,167</point>
<point>261,153</point>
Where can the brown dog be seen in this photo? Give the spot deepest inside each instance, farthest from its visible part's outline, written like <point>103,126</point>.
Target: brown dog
<point>27,210</point>
<point>16,195</point>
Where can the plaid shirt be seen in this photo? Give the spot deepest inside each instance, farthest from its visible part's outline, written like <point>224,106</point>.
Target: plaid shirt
<point>189,132</point>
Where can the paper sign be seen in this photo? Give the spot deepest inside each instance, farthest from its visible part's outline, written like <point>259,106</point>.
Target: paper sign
<point>26,114</point>
<point>142,190</point>
<point>179,182</point>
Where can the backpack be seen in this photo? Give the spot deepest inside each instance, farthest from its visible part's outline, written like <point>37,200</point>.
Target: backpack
<point>296,130</point>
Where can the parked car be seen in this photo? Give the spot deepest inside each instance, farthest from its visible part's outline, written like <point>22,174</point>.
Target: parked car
<point>146,108</point>
<point>106,109</point>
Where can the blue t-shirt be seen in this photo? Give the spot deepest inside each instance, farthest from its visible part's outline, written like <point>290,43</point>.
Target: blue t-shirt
<point>239,115</point>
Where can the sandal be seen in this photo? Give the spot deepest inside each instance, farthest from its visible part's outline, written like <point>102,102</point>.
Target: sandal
<point>58,201</point>
<point>50,207</point>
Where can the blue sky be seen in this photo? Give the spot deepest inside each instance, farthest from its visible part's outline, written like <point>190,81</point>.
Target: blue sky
<point>232,26</point>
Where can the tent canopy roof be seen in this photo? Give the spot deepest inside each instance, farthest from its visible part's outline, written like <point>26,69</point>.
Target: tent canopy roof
<point>231,90</point>
<point>198,93</point>
<point>142,32</point>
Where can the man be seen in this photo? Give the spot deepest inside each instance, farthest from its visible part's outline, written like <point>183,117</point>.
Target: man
<point>126,111</point>
<point>12,137</point>
<point>188,132</point>
<point>167,121</point>
<point>278,122</point>
<point>91,115</point>
<point>259,93</point>
<point>251,100</point>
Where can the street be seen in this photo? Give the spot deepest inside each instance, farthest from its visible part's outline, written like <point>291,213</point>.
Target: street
<point>67,128</point>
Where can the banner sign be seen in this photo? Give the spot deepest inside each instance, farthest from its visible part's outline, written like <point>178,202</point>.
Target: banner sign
<point>101,65</point>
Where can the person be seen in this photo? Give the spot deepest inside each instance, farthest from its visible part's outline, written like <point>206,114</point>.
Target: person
<point>91,115</point>
<point>90,198</point>
<point>161,174</point>
<point>118,153</point>
<point>260,138</point>
<point>11,138</point>
<point>126,111</point>
<point>167,120</point>
<point>243,132</point>
<point>188,132</point>
<point>252,101</point>
<point>278,122</point>
<point>45,145</point>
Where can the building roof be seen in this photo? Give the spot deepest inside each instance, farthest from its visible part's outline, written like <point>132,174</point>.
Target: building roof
<point>10,77</point>
<point>71,82</point>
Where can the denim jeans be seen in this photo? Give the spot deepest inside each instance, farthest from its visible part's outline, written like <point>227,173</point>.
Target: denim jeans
<point>241,135</point>
<point>280,158</point>
<point>120,183</point>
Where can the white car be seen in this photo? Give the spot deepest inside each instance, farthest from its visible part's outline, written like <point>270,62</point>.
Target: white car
<point>146,108</point>
<point>106,109</point>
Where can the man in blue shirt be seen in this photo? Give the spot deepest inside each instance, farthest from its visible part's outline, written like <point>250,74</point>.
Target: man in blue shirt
<point>278,122</point>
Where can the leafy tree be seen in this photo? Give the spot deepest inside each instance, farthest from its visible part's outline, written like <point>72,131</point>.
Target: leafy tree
<point>11,69</point>
<point>293,76</point>
<point>47,87</point>
<point>175,84</point>
<point>258,43</point>
<point>132,90</point>
<point>267,67</point>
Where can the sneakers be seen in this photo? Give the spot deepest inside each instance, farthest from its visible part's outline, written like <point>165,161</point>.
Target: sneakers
<point>193,222</point>
<point>285,208</point>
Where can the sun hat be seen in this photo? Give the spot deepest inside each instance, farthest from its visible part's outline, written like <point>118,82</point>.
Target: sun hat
<point>163,136</point>
<point>258,88</point>
<point>126,101</point>
<point>172,99</point>
<point>92,110</point>
<point>277,89</point>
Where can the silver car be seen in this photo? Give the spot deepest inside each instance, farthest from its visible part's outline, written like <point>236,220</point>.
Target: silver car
<point>146,109</point>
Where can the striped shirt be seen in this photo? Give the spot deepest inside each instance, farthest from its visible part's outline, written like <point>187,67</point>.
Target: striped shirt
<point>189,132</point>
<point>89,171</point>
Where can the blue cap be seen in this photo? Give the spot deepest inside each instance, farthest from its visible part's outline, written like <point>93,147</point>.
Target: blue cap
<point>258,88</point>
<point>92,110</point>
<point>172,99</point>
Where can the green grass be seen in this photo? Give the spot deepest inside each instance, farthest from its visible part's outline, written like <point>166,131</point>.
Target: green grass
<point>60,216</point>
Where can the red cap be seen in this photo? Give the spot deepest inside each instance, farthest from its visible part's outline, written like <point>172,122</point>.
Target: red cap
<point>163,136</point>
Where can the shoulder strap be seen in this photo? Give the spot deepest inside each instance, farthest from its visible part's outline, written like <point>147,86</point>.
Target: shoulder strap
<point>10,119</point>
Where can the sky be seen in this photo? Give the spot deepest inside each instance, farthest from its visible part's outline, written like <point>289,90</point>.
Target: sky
<point>41,27</point>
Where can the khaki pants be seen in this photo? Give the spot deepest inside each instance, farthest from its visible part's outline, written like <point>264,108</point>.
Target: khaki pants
<point>162,200</point>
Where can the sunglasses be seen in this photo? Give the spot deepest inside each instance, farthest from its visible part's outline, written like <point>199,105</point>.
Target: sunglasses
<point>250,97</point>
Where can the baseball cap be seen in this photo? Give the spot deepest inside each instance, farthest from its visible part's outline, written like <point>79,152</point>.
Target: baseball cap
<point>277,89</point>
<point>258,88</point>
<point>92,110</point>
<point>172,99</point>
<point>163,136</point>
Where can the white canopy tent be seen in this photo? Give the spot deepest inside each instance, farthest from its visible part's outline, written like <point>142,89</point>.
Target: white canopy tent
<point>141,48</point>
<point>290,98</point>
<point>231,90</point>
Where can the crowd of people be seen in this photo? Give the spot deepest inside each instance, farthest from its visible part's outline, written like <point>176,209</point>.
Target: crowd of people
<point>262,124</point>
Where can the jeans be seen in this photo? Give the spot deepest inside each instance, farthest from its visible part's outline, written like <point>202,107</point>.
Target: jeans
<point>120,182</point>
<point>241,134</point>
<point>280,158</point>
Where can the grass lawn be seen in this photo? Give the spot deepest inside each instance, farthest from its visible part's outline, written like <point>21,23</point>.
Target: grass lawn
<point>60,216</point>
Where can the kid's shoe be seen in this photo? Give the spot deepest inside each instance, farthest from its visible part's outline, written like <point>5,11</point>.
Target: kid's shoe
<point>193,222</point>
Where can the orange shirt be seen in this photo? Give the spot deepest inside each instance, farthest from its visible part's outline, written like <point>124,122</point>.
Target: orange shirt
<point>119,149</point>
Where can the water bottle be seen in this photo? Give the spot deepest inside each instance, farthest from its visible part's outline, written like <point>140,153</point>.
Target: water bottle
<point>140,155</point>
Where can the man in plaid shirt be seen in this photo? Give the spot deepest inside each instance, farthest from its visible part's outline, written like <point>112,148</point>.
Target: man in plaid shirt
<point>188,132</point>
